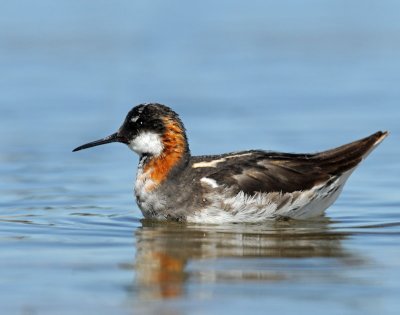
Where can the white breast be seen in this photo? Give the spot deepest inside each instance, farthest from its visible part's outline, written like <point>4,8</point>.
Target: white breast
<point>149,202</point>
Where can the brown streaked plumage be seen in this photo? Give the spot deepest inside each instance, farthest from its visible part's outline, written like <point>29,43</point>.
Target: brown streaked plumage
<point>286,172</point>
<point>248,186</point>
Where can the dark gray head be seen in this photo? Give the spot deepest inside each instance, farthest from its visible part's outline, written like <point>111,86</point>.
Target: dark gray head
<point>147,129</point>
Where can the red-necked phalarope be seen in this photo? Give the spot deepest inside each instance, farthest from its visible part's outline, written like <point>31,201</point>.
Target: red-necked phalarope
<point>247,186</point>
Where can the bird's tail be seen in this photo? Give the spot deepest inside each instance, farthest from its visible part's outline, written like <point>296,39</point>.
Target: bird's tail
<point>346,157</point>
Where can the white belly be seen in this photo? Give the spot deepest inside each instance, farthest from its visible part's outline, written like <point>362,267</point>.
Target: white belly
<point>270,206</point>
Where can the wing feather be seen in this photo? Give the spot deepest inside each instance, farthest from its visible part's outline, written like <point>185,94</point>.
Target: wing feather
<point>263,171</point>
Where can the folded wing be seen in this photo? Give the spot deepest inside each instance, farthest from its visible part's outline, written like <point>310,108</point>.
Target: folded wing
<point>263,171</point>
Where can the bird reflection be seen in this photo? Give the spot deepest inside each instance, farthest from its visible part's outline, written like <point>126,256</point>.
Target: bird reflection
<point>169,255</point>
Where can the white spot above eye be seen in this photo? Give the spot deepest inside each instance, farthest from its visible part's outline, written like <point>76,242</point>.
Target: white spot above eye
<point>139,111</point>
<point>146,143</point>
<point>134,119</point>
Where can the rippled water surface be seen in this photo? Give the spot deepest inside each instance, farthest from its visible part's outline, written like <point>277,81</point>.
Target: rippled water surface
<point>289,76</point>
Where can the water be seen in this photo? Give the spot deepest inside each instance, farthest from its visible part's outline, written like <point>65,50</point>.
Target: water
<point>291,76</point>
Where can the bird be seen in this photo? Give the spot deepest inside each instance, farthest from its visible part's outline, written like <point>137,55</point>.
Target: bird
<point>238,187</point>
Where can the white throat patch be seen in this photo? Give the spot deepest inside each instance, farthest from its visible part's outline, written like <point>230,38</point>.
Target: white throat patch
<point>147,143</point>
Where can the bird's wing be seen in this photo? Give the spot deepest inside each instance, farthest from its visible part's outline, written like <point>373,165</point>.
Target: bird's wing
<point>266,172</point>
<point>262,171</point>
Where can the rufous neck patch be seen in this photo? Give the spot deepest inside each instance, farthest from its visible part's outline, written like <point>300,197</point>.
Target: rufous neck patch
<point>175,147</point>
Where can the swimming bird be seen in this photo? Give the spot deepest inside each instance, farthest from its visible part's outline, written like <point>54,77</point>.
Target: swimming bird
<point>246,186</point>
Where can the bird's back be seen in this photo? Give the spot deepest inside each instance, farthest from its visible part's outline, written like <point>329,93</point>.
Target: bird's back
<point>256,185</point>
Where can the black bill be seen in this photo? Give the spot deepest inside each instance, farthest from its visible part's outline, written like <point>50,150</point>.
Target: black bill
<point>112,138</point>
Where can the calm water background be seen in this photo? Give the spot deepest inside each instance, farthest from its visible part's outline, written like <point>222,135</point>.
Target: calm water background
<point>282,75</point>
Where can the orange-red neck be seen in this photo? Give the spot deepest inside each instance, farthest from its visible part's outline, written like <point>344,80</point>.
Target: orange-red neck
<point>175,150</point>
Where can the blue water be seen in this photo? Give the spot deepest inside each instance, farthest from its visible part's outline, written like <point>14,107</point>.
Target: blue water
<point>297,76</point>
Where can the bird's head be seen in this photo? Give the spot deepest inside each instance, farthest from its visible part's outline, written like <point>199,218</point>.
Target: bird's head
<point>149,129</point>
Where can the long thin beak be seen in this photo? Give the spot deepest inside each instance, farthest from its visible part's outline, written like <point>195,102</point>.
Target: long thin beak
<point>111,138</point>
